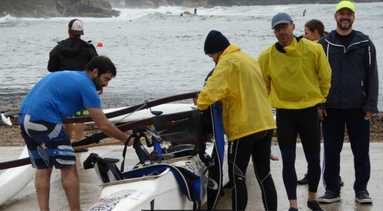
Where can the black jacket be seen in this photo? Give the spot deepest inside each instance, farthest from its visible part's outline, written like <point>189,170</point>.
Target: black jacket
<point>354,81</point>
<point>71,54</point>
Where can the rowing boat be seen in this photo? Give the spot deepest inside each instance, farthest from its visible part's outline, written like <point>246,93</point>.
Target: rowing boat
<point>13,180</point>
<point>178,181</point>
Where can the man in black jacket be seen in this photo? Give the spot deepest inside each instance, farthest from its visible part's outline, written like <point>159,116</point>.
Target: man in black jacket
<point>352,101</point>
<point>72,53</point>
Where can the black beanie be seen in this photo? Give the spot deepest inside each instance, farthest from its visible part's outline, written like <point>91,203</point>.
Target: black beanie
<point>215,41</point>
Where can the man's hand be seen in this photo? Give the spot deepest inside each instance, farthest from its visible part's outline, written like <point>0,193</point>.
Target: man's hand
<point>369,114</point>
<point>130,142</point>
<point>321,112</point>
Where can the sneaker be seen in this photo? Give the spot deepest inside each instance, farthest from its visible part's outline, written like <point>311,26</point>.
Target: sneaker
<point>362,197</point>
<point>314,205</point>
<point>329,197</point>
<point>303,181</point>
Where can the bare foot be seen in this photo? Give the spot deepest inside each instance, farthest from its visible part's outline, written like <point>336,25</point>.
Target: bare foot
<point>274,158</point>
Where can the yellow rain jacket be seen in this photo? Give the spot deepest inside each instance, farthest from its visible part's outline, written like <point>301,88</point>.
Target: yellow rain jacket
<point>297,79</point>
<point>237,82</point>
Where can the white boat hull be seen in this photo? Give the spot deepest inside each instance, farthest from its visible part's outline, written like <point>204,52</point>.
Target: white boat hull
<point>142,114</point>
<point>152,192</point>
<point>160,192</point>
<point>13,180</point>
<point>5,120</point>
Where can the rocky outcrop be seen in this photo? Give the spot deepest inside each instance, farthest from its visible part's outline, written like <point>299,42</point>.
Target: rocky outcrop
<point>211,3</point>
<point>57,8</point>
<point>103,8</point>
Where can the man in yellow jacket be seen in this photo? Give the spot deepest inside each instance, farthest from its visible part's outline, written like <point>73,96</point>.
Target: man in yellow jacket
<point>248,120</point>
<point>297,76</point>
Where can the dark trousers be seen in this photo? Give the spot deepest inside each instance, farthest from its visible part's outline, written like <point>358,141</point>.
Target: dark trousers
<point>304,122</point>
<point>358,130</point>
<point>257,146</point>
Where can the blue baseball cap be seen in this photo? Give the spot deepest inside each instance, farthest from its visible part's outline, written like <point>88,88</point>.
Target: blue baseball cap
<point>280,18</point>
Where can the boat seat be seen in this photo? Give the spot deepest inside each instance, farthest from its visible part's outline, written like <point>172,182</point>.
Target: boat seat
<point>178,151</point>
<point>105,167</point>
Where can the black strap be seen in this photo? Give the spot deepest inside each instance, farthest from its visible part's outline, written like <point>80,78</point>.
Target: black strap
<point>197,122</point>
<point>124,151</point>
<point>159,122</point>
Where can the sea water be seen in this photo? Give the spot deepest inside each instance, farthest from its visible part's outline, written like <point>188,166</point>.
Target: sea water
<point>157,52</point>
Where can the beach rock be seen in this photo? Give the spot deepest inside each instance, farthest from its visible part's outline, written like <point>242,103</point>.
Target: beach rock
<point>57,8</point>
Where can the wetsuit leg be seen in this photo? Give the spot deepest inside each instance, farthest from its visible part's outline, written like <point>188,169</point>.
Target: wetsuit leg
<point>238,157</point>
<point>261,161</point>
<point>309,132</point>
<point>287,138</point>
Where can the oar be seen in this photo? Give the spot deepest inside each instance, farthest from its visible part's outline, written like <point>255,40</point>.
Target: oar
<point>27,160</point>
<point>98,145</point>
<point>148,104</point>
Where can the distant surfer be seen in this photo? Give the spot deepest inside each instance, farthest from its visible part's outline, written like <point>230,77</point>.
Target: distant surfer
<point>304,12</point>
<point>195,11</point>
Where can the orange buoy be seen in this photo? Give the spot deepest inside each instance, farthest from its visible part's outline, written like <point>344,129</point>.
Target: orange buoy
<point>99,44</point>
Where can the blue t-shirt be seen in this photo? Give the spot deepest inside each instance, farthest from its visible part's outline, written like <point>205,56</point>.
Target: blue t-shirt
<point>60,95</point>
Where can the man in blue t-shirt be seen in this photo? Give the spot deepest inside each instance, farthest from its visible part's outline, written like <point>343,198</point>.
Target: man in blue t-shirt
<point>54,98</point>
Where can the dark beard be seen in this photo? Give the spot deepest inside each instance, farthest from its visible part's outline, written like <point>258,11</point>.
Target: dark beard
<point>96,82</point>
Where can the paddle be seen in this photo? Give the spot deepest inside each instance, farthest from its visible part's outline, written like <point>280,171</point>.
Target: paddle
<point>26,161</point>
<point>131,109</point>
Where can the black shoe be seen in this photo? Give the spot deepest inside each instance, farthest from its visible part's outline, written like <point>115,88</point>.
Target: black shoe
<point>293,209</point>
<point>314,205</point>
<point>362,197</point>
<point>341,183</point>
<point>303,181</point>
<point>329,197</point>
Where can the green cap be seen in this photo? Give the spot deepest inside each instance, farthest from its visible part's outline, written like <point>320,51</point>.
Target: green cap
<point>345,4</point>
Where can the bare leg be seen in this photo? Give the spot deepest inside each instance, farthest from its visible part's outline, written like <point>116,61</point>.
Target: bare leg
<point>273,158</point>
<point>69,130</point>
<point>312,196</point>
<point>294,203</point>
<point>70,183</point>
<point>42,185</point>
<point>78,130</point>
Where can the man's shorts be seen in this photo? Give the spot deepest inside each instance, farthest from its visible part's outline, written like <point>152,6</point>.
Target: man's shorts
<point>48,143</point>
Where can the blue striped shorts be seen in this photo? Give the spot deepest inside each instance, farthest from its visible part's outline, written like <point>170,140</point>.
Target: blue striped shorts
<point>48,143</point>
